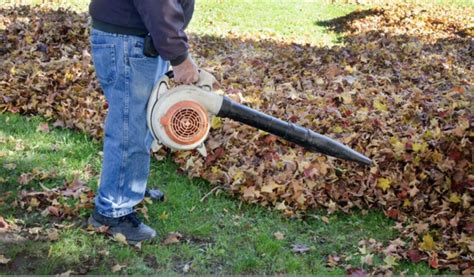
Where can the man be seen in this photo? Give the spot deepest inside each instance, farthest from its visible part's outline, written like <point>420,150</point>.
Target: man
<point>127,71</point>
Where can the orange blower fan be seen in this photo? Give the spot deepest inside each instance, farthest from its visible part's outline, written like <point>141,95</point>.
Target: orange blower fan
<point>179,118</point>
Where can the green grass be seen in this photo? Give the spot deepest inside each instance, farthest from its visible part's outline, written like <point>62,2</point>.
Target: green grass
<point>292,20</point>
<point>221,235</point>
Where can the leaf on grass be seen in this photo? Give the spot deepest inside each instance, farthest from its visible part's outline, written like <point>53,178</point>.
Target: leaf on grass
<point>356,272</point>
<point>53,210</point>
<point>3,225</point>
<point>43,127</point>
<point>333,260</point>
<point>367,259</point>
<point>66,274</point>
<point>4,260</point>
<point>117,268</point>
<point>120,238</point>
<point>164,216</point>
<point>173,237</point>
<point>25,178</point>
<point>9,166</point>
<point>390,261</point>
<point>299,248</point>
<point>53,234</point>
<point>279,235</point>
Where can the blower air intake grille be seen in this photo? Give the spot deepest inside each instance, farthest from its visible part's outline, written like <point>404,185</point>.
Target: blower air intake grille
<point>185,122</point>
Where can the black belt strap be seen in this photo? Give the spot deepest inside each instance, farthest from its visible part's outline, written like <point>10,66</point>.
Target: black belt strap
<point>115,29</point>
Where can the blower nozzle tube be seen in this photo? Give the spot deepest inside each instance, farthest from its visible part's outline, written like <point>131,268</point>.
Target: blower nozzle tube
<point>289,131</point>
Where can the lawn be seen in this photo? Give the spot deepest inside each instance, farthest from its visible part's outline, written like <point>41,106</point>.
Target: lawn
<point>218,234</point>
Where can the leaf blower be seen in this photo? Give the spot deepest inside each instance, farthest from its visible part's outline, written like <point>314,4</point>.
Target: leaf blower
<point>179,118</point>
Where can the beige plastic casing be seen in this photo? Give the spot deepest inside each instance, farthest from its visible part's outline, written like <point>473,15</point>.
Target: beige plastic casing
<point>163,97</point>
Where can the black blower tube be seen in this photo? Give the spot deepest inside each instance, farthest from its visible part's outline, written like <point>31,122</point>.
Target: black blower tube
<point>290,132</point>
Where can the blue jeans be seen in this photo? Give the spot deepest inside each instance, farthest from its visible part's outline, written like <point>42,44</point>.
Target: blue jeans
<point>127,78</point>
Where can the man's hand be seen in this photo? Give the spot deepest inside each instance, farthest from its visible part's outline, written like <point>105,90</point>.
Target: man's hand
<point>186,72</point>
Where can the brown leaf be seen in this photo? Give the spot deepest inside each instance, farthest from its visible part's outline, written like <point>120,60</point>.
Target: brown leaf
<point>173,237</point>
<point>25,178</point>
<point>53,234</point>
<point>414,255</point>
<point>333,260</point>
<point>356,272</point>
<point>53,210</point>
<point>3,225</point>
<point>43,127</point>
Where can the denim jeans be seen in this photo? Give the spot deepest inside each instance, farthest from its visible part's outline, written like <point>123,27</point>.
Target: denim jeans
<point>127,78</point>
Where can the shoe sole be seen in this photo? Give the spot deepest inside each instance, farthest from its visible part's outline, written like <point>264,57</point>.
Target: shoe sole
<point>96,224</point>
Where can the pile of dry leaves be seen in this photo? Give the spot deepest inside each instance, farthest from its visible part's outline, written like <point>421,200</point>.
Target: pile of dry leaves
<point>399,90</point>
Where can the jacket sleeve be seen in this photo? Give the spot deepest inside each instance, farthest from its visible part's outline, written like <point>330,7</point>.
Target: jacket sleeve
<point>166,21</point>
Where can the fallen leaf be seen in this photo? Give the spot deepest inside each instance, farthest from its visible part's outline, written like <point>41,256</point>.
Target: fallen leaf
<point>355,272</point>
<point>120,238</point>
<point>4,260</point>
<point>53,234</point>
<point>117,268</point>
<point>164,216</point>
<point>367,259</point>
<point>9,166</point>
<point>3,225</point>
<point>299,248</point>
<point>428,243</point>
<point>414,255</point>
<point>333,260</point>
<point>67,273</point>
<point>173,237</point>
<point>454,198</point>
<point>43,127</point>
<point>279,235</point>
<point>53,210</point>
<point>383,183</point>
<point>433,261</point>
<point>390,261</point>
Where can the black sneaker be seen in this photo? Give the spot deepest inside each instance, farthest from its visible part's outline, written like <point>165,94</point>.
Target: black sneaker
<point>130,226</point>
<point>155,194</point>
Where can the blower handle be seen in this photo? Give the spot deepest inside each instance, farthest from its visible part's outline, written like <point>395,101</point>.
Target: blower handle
<point>206,80</point>
<point>170,74</point>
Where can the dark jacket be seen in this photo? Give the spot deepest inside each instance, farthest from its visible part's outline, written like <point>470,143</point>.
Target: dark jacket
<point>165,20</point>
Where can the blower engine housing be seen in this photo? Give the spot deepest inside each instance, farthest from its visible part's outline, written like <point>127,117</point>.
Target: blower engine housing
<point>179,117</point>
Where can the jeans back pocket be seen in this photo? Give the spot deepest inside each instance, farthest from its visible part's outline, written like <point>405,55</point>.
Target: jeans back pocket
<point>103,56</point>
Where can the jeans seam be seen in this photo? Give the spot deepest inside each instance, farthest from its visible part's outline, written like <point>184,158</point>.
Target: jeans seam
<point>125,118</point>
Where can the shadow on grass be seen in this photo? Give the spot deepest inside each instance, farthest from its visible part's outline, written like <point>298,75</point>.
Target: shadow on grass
<point>343,23</point>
